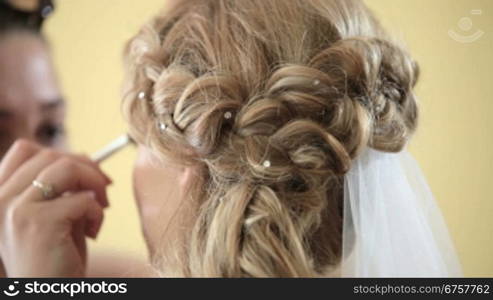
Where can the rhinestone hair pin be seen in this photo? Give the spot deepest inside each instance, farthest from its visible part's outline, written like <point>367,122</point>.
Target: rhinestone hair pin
<point>162,126</point>
<point>228,115</point>
<point>379,108</point>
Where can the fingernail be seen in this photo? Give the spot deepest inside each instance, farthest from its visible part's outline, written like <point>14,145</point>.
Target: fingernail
<point>108,180</point>
<point>106,177</point>
<point>91,231</point>
<point>103,199</point>
<point>94,232</point>
<point>106,201</point>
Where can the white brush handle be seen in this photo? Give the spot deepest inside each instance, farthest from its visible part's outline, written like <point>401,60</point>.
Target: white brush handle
<point>111,148</point>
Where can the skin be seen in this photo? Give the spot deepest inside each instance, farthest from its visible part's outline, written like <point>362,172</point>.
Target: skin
<point>160,191</point>
<point>32,112</point>
<point>47,237</point>
<point>31,105</point>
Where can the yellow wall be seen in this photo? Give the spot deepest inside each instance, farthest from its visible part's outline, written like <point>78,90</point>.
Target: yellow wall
<point>453,143</point>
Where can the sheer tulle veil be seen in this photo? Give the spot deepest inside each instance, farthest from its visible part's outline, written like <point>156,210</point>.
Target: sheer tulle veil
<point>392,224</point>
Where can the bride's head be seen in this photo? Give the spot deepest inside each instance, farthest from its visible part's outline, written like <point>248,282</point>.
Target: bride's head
<point>248,114</point>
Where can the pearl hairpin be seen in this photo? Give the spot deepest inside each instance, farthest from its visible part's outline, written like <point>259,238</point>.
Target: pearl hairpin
<point>141,95</point>
<point>316,82</point>
<point>266,163</point>
<point>145,48</point>
<point>379,107</point>
<point>228,115</point>
<point>162,126</point>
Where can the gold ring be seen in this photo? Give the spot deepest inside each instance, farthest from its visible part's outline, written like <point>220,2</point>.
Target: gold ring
<point>47,190</point>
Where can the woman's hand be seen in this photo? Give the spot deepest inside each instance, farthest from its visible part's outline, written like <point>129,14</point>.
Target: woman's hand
<point>43,235</point>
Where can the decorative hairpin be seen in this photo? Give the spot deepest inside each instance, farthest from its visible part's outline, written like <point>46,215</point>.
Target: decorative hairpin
<point>379,108</point>
<point>162,126</point>
<point>316,82</point>
<point>228,115</point>
<point>266,163</point>
<point>141,95</point>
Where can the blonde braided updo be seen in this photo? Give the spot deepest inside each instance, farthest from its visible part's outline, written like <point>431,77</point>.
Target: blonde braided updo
<point>272,100</point>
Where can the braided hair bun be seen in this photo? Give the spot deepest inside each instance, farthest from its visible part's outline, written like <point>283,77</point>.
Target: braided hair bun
<point>273,100</point>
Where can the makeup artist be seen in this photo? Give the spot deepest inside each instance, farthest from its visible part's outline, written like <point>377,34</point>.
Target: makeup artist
<point>45,194</point>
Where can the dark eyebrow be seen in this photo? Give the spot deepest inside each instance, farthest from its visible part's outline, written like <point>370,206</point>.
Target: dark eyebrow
<point>52,105</point>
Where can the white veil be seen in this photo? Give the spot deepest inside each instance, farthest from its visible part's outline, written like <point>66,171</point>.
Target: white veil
<point>392,225</point>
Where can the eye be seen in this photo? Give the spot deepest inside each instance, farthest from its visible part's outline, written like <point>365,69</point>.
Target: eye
<point>50,134</point>
<point>6,140</point>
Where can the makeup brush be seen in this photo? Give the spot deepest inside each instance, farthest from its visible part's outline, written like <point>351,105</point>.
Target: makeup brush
<point>112,148</point>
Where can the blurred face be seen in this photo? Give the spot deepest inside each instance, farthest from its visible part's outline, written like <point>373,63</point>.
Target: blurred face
<point>31,105</point>
<point>161,193</point>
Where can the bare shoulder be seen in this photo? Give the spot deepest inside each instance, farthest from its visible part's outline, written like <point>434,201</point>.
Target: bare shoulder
<point>109,264</point>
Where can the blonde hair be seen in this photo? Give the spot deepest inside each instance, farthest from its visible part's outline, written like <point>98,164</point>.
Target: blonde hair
<point>271,100</point>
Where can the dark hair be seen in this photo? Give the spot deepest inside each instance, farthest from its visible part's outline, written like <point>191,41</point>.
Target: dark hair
<point>16,18</point>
